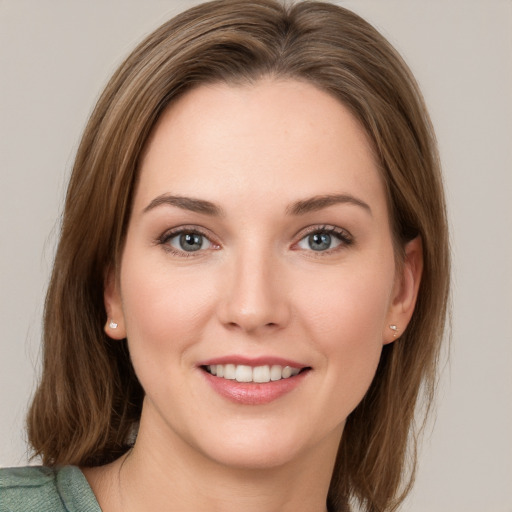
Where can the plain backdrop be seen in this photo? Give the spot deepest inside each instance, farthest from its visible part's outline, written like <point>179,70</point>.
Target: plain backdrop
<point>55,57</point>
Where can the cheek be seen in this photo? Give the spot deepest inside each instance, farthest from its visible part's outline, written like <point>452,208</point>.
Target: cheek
<point>346,308</point>
<point>345,318</point>
<point>164,311</point>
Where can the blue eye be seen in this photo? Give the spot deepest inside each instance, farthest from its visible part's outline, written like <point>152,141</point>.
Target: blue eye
<point>189,241</point>
<point>324,239</point>
<point>319,241</point>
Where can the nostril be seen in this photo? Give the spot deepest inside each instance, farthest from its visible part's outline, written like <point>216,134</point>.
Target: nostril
<point>252,326</point>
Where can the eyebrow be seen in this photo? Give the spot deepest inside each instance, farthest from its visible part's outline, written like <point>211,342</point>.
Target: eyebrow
<point>185,203</point>
<point>320,202</point>
<point>300,207</point>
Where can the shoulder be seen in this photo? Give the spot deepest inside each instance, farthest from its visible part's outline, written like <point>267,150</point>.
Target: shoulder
<point>27,489</point>
<point>42,489</point>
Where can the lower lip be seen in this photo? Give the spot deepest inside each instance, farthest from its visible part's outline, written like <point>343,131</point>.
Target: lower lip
<point>251,393</point>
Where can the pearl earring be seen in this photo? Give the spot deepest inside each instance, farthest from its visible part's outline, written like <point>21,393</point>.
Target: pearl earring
<point>394,328</point>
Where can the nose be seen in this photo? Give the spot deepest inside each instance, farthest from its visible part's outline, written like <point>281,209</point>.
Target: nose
<point>255,298</point>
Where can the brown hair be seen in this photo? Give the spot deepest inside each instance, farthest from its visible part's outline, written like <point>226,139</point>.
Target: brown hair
<point>89,398</point>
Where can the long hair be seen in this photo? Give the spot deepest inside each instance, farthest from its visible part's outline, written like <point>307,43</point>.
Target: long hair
<point>89,398</point>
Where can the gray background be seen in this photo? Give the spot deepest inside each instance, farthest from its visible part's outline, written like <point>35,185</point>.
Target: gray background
<point>55,56</point>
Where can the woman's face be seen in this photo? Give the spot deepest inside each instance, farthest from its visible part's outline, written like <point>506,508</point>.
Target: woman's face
<point>258,248</point>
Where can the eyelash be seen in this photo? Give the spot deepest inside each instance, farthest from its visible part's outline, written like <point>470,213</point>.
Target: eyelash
<point>343,236</point>
<point>165,238</point>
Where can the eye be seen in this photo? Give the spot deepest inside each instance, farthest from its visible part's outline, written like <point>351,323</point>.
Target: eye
<point>186,241</point>
<point>319,242</point>
<point>324,239</point>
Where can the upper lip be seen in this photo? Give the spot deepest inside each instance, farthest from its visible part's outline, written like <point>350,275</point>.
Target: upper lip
<point>252,361</point>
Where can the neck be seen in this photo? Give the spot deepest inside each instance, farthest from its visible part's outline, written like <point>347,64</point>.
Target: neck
<point>164,473</point>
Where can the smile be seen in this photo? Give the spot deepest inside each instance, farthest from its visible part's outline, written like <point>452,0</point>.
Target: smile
<point>246,373</point>
<point>253,380</point>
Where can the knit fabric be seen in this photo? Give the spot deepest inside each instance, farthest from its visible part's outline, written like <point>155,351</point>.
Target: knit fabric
<point>42,489</point>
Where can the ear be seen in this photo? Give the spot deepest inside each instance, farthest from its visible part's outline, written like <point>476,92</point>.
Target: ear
<point>115,326</point>
<point>405,291</point>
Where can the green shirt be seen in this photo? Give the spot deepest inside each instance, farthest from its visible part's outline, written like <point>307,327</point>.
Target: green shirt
<point>42,489</point>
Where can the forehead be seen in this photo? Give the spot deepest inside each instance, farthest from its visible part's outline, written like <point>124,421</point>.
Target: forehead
<point>281,139</point>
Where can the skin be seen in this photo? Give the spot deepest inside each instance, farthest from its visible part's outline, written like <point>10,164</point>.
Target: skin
<point>256,288</point>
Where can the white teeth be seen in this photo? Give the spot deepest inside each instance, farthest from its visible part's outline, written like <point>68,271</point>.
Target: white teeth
<point>287,372</point>
<point>276,372</point>
<point>229,371</point>
<point>245,373</point>
<point>261,374</point>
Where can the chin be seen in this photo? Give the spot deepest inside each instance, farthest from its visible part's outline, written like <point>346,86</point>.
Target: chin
<point>255,457</point>
<point>259,447</point>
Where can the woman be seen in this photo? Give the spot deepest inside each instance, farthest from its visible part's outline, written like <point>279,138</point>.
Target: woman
<point>251,282</point>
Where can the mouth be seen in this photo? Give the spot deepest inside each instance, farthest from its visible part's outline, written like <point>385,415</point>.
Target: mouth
<point>253,374</point>
<point>253,381</point>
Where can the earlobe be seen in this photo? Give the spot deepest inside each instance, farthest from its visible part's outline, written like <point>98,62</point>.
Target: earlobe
<point>405,291</point>
<point>115,326</point>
